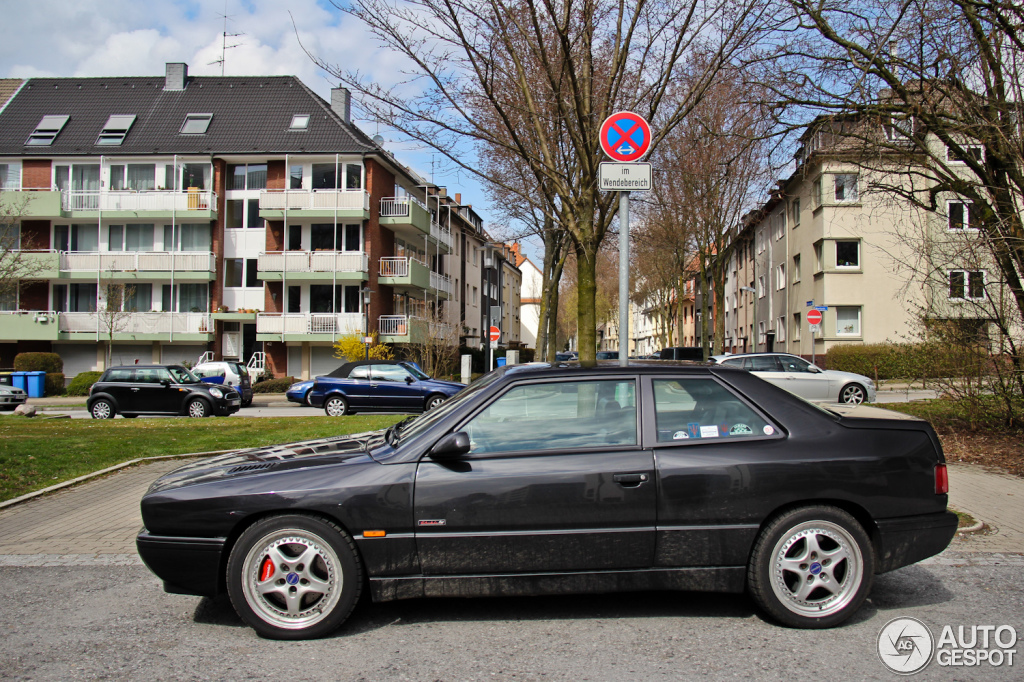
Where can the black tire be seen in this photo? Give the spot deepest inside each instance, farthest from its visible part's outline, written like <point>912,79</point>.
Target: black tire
<point>294,607</point>
<point>811,567</point>
<point>198,408</point>
<point>336,406</point>
<point>102,409</point>
<point>305,398</point>
<point>433,401</point>
<point>853,394</point>
<point>247,403</point>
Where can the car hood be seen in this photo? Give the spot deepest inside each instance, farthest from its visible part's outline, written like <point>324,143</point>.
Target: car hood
<point>846,376</point>
<point>252,461</point>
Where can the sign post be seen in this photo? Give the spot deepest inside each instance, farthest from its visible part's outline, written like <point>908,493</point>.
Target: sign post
<point>813,319</point>
<point>493,334</point>
<point>625,138</point>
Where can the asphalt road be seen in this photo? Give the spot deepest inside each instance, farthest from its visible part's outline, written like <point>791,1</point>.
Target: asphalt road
<point>115,622</point>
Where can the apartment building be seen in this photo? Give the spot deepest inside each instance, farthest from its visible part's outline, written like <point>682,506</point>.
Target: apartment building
<point>531,291</point>
<point>243,217</point>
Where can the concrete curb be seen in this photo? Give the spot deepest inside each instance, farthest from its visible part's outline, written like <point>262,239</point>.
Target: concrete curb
<point>972,529</point>
<point>74,481</point>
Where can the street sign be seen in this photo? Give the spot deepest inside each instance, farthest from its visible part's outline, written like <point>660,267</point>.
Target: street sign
<point>625,177</point>
<point>815,328</point>
<point>814,316</point>
<point>625,136</point>
<point>810,304</point>
<point>822,308</point>
<point>495,334</point>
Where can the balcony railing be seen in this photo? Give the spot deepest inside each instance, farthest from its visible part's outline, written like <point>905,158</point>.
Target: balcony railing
<point>401,325</point>
<point>396,266</point>
<point>441,233</point>
<point>441,282</point>
<point>309,323</point>
<point>398,207</point>
<point>136,323</point>
<point>154,200</point>
<point>137,261</point>
<point>393,325</point>
<point>313,261</point>
<point>316,199</point>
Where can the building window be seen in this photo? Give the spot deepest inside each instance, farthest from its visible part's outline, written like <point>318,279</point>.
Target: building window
<point>47,130</point>
<point>780,329</point>
<point>818,264</point>
<point>967,284</point>
<point>10,176</point>
<point>196,124</point>
<point>115,130</point>
<point>233,272</point>
<point>760,286</point>
<point>846,188</point>
<point>847,254</point>
<point>247,177</point>
<point>760,332</point>
<point>975,152</point>
<point>961,216</point>
<point>847,321</point>
<point>794,208</point>
<point>899,128</point>
<point>780,276</point>
<point>252,279</point>
<point>130,237</point>
<point>295,175</point>
<point>10,238</point>
<point>299,122</point>
<point>796,326</point>
<point>816,193</point>
<point>796,268</point>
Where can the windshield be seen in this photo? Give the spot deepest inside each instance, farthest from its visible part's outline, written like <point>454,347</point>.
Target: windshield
<point>415,372</point>
<point>182,375</point>
<point>428,419</point>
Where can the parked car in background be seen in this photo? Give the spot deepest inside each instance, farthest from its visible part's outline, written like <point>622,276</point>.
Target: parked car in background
<point>695,353</point>
<point>808,381</point>
<point>607,355</point>
<point>11,397</point>
<point>227,373</point>
<point>299,392</point>
<point>554,479</point>
<point>379,385</point>
<point>135,390</point>
<point>565,357</point>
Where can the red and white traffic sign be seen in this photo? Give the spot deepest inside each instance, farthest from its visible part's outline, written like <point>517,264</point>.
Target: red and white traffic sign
<point>495,334</point>
<point>625,136</point>
<point>813,316</point>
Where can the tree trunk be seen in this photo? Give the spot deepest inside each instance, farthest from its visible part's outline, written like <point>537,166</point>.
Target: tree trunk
<point>586,304</point>
<point>552,326</point>
<point>718,283</point>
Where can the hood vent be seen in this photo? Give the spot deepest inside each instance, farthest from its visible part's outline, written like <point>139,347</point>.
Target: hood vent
<point>250,467</point>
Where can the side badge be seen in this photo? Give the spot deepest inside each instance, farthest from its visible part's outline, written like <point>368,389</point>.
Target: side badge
<point>431,522</point>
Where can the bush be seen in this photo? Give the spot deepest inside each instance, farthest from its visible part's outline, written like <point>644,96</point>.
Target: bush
<point>351,348</point>
<point>274,385</point>
<point>54,384</point>
<point>50,363</point>
<point>82,382</point>
<point>903,361</point>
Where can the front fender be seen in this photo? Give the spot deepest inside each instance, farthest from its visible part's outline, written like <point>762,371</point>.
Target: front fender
<point>105,396</point>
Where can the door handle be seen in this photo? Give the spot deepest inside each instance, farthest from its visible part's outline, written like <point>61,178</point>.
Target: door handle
<point>630,480</point>
<point>134,389</point>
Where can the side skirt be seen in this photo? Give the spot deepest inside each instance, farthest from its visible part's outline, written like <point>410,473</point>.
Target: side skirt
<point>703,579</point>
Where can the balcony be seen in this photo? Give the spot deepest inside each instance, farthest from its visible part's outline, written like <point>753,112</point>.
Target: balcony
<point>316,203</point>
<point>410,218</point>
<point>307,326</point>
<point>154,326</point>
<point>412,329</point>
<point>193,265</point>
<point>191,205</point>
<point>30,204</point>
<point>348,266</point>
<point>28,325</point>
<point>32,264</point>
<point>412,274</point>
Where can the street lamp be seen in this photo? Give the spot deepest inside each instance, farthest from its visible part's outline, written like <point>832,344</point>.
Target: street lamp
<point>366,291</point>
<point>490,257</point>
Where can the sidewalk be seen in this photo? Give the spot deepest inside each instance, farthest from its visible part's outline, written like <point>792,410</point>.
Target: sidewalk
<point>59,402</point>
<point>96,522</point>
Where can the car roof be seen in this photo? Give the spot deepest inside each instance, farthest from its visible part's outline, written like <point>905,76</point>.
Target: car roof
<point>144,366</point>
<point>347,368</point>
<point>543,369</point>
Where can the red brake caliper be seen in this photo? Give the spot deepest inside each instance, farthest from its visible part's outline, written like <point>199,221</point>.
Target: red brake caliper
<point>266,570</point>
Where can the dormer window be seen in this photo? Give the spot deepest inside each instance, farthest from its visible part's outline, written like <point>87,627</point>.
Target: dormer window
<point>46,131</point>
<point>299,122</point>
<point>115,129</point>
<point>196,124</point>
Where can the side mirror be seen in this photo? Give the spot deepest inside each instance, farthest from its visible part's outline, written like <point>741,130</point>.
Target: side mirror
<point>409,379</point>
<point>166,383</point>
<point>813,369</point>
<point>452,446</point>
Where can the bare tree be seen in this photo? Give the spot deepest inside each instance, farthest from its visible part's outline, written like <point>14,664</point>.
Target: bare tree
<point>16,265</point>
<point>116,311</point>
<point>504,73</point>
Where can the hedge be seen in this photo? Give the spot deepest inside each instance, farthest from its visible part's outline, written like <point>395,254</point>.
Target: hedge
<point>50,363</point>
<point>82,382</point>
<point>274,385</point>
<point>904,361</point>
<point>54,384</point>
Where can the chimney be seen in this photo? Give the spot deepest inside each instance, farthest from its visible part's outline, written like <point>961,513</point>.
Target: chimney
<point>458,198</point>
<point>341,103</point>
<point>176,76</point>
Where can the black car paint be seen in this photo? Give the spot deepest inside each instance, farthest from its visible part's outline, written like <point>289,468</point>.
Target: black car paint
<point>689,525</point>
<point>159,399</point>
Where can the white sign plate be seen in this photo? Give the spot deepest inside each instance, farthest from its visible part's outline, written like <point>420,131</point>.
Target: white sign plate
<point>815,328</point>
<point>625,177</point>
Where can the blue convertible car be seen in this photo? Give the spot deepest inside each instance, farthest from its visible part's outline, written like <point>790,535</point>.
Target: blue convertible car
<point>379,385</point>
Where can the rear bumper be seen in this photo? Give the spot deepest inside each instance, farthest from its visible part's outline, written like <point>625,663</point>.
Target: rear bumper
<point>186,565</point>
<point>909,539</point>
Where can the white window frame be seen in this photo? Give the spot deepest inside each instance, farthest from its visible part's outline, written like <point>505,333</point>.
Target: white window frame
<point>780,329</point>
<point>858,331</point>
<point>796,268</point>
<point>966,146</point>
<point>817,193</point>
<point>837,242</point>
<point>967,285</point>
<point>856,188</point>
<point>13,183</point>
<point>761,332</point>
<point>780,277</point>
<point>797,321</point>
<point>894,133</point>
<point>760,286</point>
<point>794,207</point>
<point>968,215</point>
<point>819,257</point>
<point>196,118</point>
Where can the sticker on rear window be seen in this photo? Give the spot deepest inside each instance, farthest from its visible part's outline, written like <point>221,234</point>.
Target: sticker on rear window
<point>680,435</point>
<point>709,432</point>
<point>768,430</point>
<point>740,430</point>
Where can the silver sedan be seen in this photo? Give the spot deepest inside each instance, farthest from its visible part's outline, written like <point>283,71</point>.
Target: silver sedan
<point>801,378</point>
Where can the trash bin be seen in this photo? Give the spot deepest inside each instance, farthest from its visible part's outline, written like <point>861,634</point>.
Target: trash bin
<point>6,379</point>
<point>36,384</point>
<point>502,361</point>
<point>20,380</point>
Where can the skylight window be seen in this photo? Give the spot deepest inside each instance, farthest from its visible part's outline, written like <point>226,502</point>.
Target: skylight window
<point>299,122</point>
<point>196,124</point>
<point>47,130</point>
<point>115,129</point>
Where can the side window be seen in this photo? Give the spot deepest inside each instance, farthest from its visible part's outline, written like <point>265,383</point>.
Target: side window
<point>151,376</point>
<point>387,373</point>
<point>702,409</point>
<point>738,362</point>
<point>764,363</point>
<point>794,364</point>
<point>557,416</point>
<point>122,375</point>
<point>361,372</point>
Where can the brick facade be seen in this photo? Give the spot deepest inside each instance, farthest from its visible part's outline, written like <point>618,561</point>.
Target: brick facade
<point>35,174</point>
<point>380,241</point>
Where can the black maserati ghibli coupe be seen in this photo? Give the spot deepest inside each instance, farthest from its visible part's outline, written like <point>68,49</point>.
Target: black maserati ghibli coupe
<point>541,479</point>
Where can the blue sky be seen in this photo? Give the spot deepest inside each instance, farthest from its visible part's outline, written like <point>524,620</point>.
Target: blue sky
<point>136,38</point>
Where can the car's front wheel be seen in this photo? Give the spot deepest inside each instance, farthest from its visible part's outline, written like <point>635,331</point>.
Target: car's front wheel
<point>336,406</point>
<point>306,397</point>
<point>435,401</point>
<point>294,577</point>
<point>853,394</point>
<point>198,408</point>
<point>103,409</point>
<point>811,567</point>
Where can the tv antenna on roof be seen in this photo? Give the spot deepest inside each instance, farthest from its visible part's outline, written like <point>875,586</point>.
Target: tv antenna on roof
<point>224,47</point>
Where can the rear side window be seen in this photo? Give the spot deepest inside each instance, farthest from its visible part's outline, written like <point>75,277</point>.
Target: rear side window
<point>702,409</point>
<point>152,375</point>
<point>123,374</point>
<point>361,372</point>
<point>762,363</point>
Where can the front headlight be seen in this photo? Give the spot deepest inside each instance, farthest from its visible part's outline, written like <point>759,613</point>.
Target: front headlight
<point>216,392</point>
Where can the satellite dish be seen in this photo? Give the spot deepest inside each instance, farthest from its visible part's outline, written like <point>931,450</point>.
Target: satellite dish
<point>378,140</point>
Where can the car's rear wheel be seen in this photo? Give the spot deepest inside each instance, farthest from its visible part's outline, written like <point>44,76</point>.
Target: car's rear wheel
<point>435,401</point>
<point>336,406</point>
<point>103,409</point>
<point>198,408</point>
<point>294,577</point>
<point>853,394</point>
<point>247,403</point>
<point>811,567</point>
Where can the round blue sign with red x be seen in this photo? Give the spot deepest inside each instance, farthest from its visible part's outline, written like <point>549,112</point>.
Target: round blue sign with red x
<point>625,136</point>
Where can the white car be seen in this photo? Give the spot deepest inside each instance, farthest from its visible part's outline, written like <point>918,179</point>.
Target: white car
<point>228,373</point>
<point>11,397</point>
<point>801,378</point>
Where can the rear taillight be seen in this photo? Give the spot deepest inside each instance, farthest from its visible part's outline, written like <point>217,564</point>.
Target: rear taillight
<point>941,480</point>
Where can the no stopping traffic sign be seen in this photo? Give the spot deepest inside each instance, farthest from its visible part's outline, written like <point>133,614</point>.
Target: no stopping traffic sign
<point>625,136</point>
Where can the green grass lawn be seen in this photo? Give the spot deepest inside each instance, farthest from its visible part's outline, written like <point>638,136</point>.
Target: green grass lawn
<point>38,452</point>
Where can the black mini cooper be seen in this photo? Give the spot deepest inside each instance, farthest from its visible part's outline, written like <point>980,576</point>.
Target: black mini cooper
<point>159,390</point>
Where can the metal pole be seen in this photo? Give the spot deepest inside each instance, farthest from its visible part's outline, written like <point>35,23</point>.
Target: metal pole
<point>623,279</point>
<point>812,346</point>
